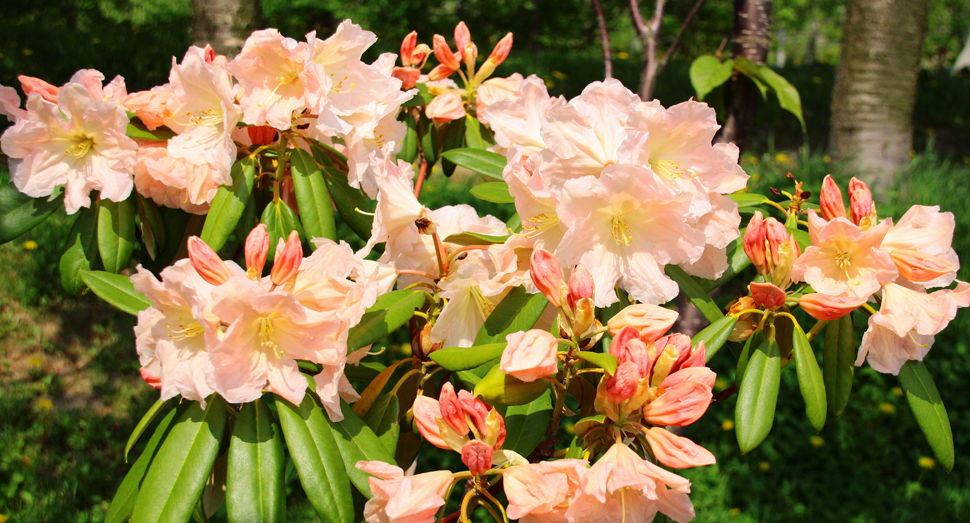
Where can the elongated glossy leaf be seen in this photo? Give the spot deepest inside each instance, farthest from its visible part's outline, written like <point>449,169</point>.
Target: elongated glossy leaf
<point>312,197</point>
<point>766,78</point>
<point>747,200</point>
<point>715,335</point>
<point>518,311</point>
<point>177,476</point>
<point>374,389</point>
<point>383,417</point>
<point>280,220</point>
<point>116,233</point>
<point>389,312</point>
<point>926,404</point>
<point>755,411</point>
<point>124,500</point>
<point>310,439</point>
<point>116,290</point>
<point>809,379</point>
<point>255,486</point>
<point>498,388</point>
<point>526,425</point>
<point>465,358</point>
<point>697,295</point>
<point>474,238</point>
<point>453,138</point>
<point>607,362</point>
<point>472,376</point>
<point>352,205</point>
<point>838,363</point>
<point>20,213</point>
<point>495,192</point>
<point>179,226</point>
<point>423,97</point>
<point>483,162</point>
<point>750,345</point>
<point>142,424</point>
<point>229,203</point>
<point>357,442</point>
<point>138,130</point>
<point>473,133</point>
<point>82,250</point>
<point>707,73</point>
<point>430,139</point>
<point>152,227</point>
<point>409,145</point>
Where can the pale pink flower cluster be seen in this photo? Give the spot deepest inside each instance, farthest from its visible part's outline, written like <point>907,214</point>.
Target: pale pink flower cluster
<point>215,327</point>
<point>71,137</point>
<point>854,257</point>
<point>620,186</point>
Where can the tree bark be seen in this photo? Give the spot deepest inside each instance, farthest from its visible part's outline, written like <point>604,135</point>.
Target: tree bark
<point>875,86</point>
<point>225,24</point>
<point>752,36</point>
<point>604,39</point>
<point>649,34</point>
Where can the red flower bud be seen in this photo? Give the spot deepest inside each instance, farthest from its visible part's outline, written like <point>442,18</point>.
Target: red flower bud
<point>754,243</point>
<point>580,286</point>
<point>207,263</point>
<point>444,55</point>
<point>547,275</point>
<point>289,255</point>
<point>257,248</point>
<point>501,51</point>
<point>35,85</point>
<point>831,202</point>
<point>827,308</point>
<point>477,456</point>
<point>860,201</point>
<point>407,48</point>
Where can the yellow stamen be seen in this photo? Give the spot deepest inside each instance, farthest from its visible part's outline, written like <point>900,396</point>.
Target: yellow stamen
<point>281,80</point>
<point>80,148</point>
<point>543,222</point>
<point>338,86</point>
<point>266,338</point>
<point>484,304</point>
<point>668,168</point>
<point>622,232</point>
<point>188,328</point>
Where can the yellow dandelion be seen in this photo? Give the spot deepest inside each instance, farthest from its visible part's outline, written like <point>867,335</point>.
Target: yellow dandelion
<point>735,512</point>
<point>622,55</point>
<point>30,245</point>
<point>764,466</point>
<point>888,408</point>
<point>44,404</point>
<point>782,158</point>
<point>35,361</point>
<point>752,158</point>
<point>926,462</point>
<point>755,177</point>
<point>816,441</point>
<point>898,392</point>
<point>727,425</point>
<point>827,159</point>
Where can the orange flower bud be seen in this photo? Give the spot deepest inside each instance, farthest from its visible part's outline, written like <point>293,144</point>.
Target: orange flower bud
<point>546,274</point>
<point>35,85</point>
<point>831,202</point>
<point>407,75</point>
<point>920,267</point>
<point>861,204</point>
<point>580,286</point>
<point>257,248</point>
<point>754,243</point>
<point>407,48</point>
<point>462,38</point>
<point>623,385</point>
<point>827,308</point>
<point>444,55</point>
<point>261,135</point>
<point>501,51</point>
<point>289,255</point>
<point>207,263</point>
<point>767,295</point>
<point>440,72</point>
<point>477,456</point>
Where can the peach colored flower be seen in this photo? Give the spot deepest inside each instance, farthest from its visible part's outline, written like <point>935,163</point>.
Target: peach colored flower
<point>831,202</point>
<point>10,104</point>
<point>404,499</point>
<point>35,85</point>
<point>921,246</point>
<point>446,107</point>
<point>650,321</point>
<point>447,422</point>
<point>541,492</point>
<point>152,107</point>
<point>827,308</point>
<point>269,69</point>
<point>675,451</point>
<point>495,90</point>
<point>530,355</point>
<point>518,121</point>
<point>767,295</point>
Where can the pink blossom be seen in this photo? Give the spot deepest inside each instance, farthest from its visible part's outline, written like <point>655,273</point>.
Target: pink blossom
<point>404,499</point>
<point>154,107</point>
<point>35,85</point>
<point>518,121</point>
<point>269,70</point>
<point>530,355</point>
<point>10,104</point>
<point>650,321</point>
<point>446,107</point>
<point>827,308</point>
<point>928,233</point>
<point>495,90</point>
<point>541,492</point>
<point>675,451</point>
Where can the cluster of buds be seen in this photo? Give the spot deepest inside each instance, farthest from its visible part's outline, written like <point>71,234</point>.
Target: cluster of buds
<point>771,249</point>
<point>447,422</point>
<point>862,208</point>
<point>450,62</point>
<point>413,58</point>
<point>289,256</point>
<point>577,314</point>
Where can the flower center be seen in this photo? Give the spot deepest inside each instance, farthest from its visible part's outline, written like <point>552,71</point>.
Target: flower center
<point>286,78</point>
<point>668,168</point>
<point>187,328</point>
<point>485,306</point>
<point>622,233</point>
<point>205,117</point>
<point>543,222</point>
<point>81,147</point>
<point>266,331</point>
<point>338,86</point>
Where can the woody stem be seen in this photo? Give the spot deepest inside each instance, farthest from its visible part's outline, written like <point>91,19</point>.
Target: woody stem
<point>439,251</point>
<point>422,173</point>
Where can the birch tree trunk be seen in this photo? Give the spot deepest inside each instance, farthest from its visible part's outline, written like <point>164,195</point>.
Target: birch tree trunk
<point>224,24</point>
<point>752,35</point>
<point>875,86</point>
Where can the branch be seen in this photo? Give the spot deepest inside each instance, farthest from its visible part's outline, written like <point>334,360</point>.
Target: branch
<point>604,38</point>
<point>642,30</point>
<point>680,35</point>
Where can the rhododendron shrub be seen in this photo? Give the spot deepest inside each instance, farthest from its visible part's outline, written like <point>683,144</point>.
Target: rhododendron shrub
<point>208,207</point>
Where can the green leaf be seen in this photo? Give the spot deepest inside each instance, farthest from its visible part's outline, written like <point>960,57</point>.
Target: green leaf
<point>124,499</point>
<point>178,475</point>
<point>747,200</point>
<point>20,213</point>
<point>483,162</point>
<point>766,78</point>
<point>312,197</point>
<point>116,290</point>
<point>138,130</point>
<point>229,203</point>
<point>383,417</point>
<point>116,233</point>
<point>755,411</point>
<point>809,379</point>
<point>737,262</point>
<point>473,133</point>
<point>352,205</point>
<point>179,226</point>
<point>518,311</point>
<point>423,97</point>
<point>715,335</point>
<point>474,238</point>
<point>430,139</point>
<point>927,406</point>
<point>82,250</point>
<point>465,358</point>
<point>752,71</point>
<point>526,425</point>
<point>357,442</point>
<point>389,312</point>
<point>316,457</point>
<point>280,220</point>
<point>607,362</point>
<point>142,424</point>
<point>471,377</point>
<point>750,345</point>
<point>707,73</point>
<point>409,145</point>
<point>697,295</point>
<point>454,138</point>
<point>495,192</point>
<point>153,233</point>
<point>498,388</point>
<point>255,484</point>
<point>515,223</point>
<point>838,363</point>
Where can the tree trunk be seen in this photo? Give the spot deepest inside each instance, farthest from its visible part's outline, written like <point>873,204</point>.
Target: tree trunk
<point>875,86</point>
<point>225,24</point>
<point>752,35</point>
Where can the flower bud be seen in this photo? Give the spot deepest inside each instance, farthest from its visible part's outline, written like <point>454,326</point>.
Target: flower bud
<point>782,250</point>
<point>257,248</point>
<point>463,38</point>
<point>830,201</point>
<point>451,411</point>
<point>919,267</point>
<point>470,55</point>
<point>767,295</point>
<point>754,243</point>
<point>445,107</point>
<point>408,76</point>
<point>501,51</point>
<point>623,385</point>
<point>827,308</point>
<point>289,255</point>
<point>440,72</point>
<point>207,263</point>
<point>261,135</point>
<point>580,286</point>
<point>444,55</point>
<point>35,85</point>
<point>407,48</point>
<point>584,316</point>
<point>420,55</point>
<point>652,321</point>
<point>530,355</point>
<point>861,204</point>
<point>477,456</point>
<point>547,275</point>
<point>209,53</point>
